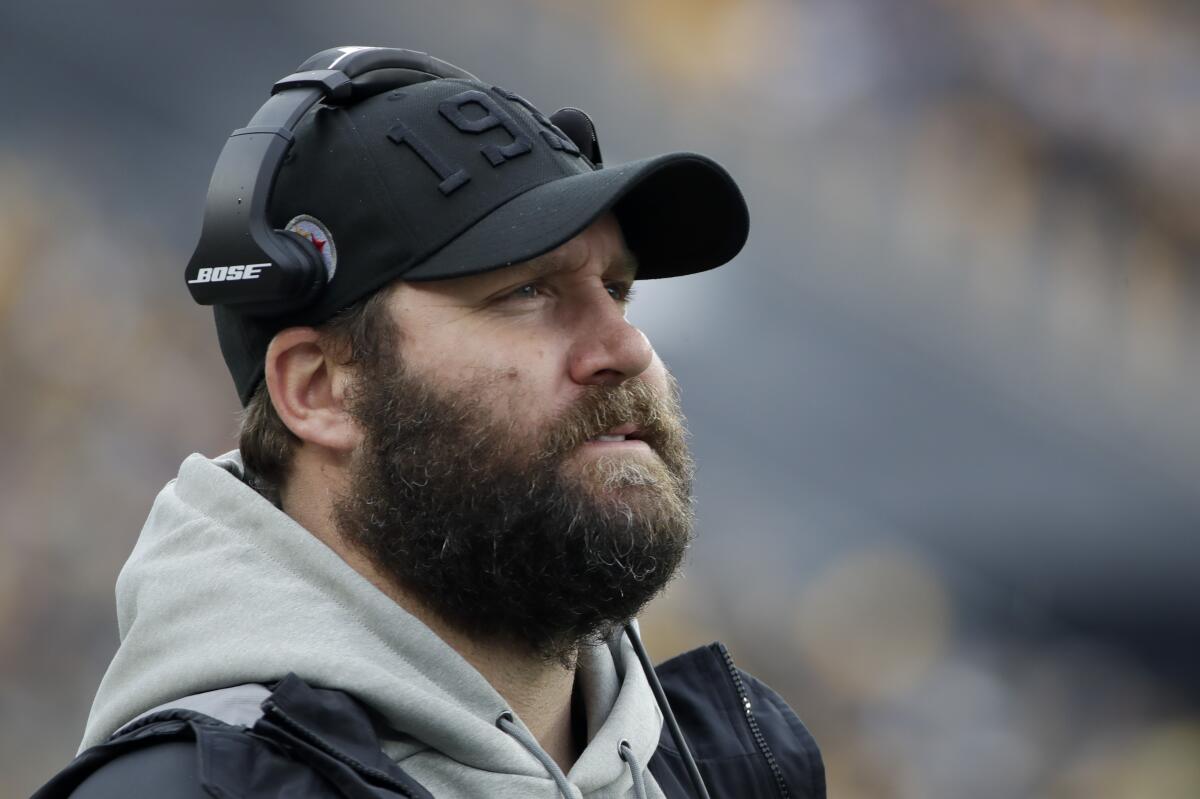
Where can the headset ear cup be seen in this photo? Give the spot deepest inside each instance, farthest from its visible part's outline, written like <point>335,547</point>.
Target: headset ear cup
<point>307,257</point>
<point>579,127</point>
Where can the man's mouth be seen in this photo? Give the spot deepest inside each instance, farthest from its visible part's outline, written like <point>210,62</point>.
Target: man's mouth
<point>625,432</point>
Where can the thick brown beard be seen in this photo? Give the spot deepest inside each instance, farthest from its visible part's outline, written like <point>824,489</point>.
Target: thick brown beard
<point>524,545</point>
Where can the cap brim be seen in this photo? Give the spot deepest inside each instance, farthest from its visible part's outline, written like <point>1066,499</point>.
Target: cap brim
<point>680,213</point>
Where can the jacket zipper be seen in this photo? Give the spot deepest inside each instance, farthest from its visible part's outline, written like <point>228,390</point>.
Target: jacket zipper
<point>759,739</point>
<point>272,710</point>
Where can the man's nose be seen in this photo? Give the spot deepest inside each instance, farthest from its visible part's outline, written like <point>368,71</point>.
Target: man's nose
<point>607,350</point>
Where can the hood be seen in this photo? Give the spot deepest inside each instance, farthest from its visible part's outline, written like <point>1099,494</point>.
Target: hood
<point>223,588</point>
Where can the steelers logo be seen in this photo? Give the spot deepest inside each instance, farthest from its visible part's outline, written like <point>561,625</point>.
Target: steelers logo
<point>312,229</point>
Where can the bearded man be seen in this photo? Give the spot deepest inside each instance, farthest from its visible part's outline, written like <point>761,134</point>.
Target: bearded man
<point>462,473</point>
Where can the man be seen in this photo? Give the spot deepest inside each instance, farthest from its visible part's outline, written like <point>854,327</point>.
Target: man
<point>461,474</point>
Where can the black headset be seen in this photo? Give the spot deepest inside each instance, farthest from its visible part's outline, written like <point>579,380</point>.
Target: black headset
<point>236,240</point>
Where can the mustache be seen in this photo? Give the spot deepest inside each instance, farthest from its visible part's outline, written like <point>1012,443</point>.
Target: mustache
<point>657,416</point>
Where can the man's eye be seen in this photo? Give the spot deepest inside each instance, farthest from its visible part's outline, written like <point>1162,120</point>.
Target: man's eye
<point>529,291</point>
<point>621,292</point>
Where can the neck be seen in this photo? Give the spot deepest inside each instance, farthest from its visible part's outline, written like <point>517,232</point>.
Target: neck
<point>536,691</point>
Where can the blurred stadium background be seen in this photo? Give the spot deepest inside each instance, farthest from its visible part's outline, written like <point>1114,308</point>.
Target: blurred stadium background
<point>944,404</point>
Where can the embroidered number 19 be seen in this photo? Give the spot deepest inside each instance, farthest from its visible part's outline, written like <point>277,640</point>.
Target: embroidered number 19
<point>453,176</point>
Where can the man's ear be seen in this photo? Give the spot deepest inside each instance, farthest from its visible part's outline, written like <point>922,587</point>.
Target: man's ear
<point>308,388</point>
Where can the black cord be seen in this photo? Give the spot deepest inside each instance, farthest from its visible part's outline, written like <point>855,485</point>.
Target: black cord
<point>672,725</point>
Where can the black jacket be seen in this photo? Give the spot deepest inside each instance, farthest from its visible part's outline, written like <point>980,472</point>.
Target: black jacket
<point>313,742</point>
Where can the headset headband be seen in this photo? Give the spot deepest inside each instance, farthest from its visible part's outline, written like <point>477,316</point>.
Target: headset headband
<point>240,261</point>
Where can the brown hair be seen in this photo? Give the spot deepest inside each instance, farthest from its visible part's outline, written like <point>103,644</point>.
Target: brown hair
<point>361,334</point>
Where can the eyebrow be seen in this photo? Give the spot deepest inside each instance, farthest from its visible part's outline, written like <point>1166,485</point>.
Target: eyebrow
<point>553,262</point>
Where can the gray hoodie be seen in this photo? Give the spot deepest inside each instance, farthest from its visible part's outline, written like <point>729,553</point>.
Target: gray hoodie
<point>224,589</point>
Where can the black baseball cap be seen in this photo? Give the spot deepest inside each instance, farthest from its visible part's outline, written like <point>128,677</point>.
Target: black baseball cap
<point>453,177</point>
